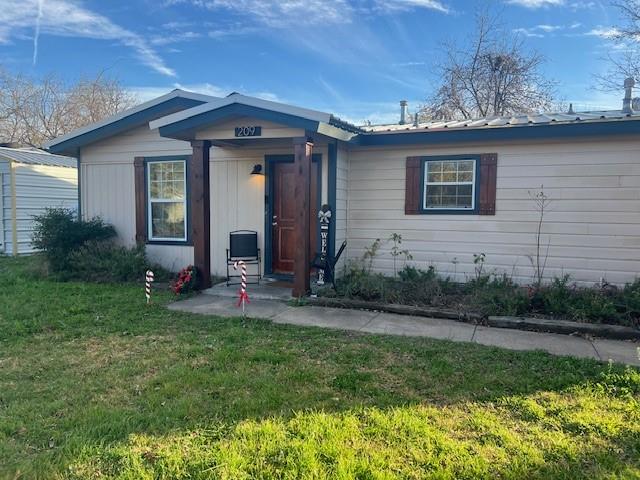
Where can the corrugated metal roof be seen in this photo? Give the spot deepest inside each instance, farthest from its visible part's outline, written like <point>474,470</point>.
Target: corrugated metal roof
<point>34,156</point>
<point>509,121</point>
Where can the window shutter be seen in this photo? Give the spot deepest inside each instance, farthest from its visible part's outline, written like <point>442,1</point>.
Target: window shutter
<point>488,175</point>
<point>412,187</point>
<point>140,200</point>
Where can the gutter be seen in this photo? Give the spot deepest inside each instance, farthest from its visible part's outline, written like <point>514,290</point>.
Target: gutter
<point>14,209</point>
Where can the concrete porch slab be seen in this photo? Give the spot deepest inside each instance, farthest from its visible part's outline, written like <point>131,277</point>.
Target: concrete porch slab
<point>228,306</point>
<point>262,291</point>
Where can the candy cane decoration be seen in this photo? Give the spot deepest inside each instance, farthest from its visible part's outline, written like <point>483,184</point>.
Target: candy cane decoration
<point>244,298</point>
<point>147,286</point>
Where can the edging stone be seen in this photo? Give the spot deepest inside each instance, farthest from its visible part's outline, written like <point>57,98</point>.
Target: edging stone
<point>470,317</point>
<point>618,332</point>
<point>566,327</point>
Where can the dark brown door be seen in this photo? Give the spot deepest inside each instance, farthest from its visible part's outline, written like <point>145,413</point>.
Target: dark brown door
<point>284,213</point>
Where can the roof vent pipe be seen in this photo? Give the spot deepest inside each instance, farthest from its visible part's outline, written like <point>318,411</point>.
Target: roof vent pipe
<point>628,93</point>
<point>404,112</point>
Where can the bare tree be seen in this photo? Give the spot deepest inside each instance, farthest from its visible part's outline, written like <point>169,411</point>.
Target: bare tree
<point>624,61</point>
<point>489,74</point>
<point>33,111</point>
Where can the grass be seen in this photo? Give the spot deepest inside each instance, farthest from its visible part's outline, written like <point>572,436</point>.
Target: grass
<point>95,384</point>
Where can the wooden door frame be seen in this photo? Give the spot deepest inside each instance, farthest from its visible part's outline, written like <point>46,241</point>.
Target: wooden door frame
<point>269,160</point>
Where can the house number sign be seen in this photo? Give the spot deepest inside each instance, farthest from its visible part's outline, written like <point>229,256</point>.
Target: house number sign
<point>248,131</point>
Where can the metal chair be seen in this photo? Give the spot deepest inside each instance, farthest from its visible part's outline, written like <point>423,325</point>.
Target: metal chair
<point>243,245</point>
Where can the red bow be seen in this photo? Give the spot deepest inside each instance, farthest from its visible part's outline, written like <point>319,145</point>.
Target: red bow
<point>243,297</point>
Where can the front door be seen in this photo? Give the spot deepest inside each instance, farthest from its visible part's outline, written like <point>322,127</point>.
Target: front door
<point>284,214</point>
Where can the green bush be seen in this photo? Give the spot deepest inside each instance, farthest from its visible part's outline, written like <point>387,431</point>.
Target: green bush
<point>104,261</point>
<point>498,296</point>
<point>58,232</point>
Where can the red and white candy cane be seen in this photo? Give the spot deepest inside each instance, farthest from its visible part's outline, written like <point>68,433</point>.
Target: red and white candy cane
<point>244,298</point>
<point>147,285</point>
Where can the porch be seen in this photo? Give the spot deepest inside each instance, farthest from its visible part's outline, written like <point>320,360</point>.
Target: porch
<point>260,166</point>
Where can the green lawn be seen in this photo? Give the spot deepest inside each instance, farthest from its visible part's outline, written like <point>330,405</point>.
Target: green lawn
<point>95,384</point>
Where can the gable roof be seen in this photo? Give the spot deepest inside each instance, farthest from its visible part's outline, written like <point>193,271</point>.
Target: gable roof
<point>33,156</point>
<point>139,115</point>
<point>182,124</point>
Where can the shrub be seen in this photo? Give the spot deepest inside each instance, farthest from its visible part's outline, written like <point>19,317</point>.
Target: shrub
<point>58,232</point>
<point>104,261</point>
<point>498,296</point>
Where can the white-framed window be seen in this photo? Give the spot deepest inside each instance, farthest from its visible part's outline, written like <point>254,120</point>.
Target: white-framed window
<point>450,184</point>
<point>167,200</point>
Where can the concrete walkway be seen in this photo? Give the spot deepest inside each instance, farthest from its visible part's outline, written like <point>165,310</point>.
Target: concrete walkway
<point>392,324</point>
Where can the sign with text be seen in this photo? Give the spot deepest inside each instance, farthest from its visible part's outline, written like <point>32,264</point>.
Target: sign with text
<point>248,131</point>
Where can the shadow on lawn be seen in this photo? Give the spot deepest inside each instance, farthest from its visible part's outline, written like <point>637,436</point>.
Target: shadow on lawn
<point>87,366</point>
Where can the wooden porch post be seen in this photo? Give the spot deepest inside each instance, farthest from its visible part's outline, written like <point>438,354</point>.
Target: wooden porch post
<point>303,151</point>
<point>200,210</point>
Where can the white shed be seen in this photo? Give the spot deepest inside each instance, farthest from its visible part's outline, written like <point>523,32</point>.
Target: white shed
<point>30,181</point>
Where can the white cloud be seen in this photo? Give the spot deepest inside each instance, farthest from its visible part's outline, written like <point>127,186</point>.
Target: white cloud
<point>603,32</point>
<point>145,93</point>
<point>410,4</point>
<point>67,19</point>
<point>279,14</point>
<point>533,4</point>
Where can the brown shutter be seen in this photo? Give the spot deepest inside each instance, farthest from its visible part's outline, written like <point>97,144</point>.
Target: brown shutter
<point>412,187</point>
<point>140,200</point>
<point>488,174</point>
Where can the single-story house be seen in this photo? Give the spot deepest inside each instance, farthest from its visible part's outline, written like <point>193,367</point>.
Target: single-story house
<point>175,173</point>
<point>30,181</point>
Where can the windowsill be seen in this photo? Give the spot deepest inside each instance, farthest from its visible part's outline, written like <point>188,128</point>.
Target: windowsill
<point>183,243</point>
<point>435,211</point>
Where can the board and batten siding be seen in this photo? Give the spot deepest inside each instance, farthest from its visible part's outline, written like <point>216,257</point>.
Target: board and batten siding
<point>591,228</point>
<point>237,198</point>
<point>36,188</point>
<point>107,186</point>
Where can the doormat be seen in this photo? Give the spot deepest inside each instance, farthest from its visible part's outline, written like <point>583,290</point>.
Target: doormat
<point>279,283</point>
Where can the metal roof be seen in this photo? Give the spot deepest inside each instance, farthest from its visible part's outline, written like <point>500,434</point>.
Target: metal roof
<point>235,97</point>
<point>33,156</point>
<point>522,120</point>
<point>177,93</point>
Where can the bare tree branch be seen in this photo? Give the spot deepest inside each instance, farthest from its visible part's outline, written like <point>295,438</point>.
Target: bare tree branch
<point>33,111</point>
<point>490,74</point>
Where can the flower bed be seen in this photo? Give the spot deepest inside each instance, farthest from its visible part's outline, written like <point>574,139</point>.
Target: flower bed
<point>494,295</point>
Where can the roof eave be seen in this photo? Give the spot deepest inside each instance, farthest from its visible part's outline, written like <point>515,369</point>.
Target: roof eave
<point>488,134</point>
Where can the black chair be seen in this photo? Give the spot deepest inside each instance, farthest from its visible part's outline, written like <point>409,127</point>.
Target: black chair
<point>243,245</point>
<point>328,264</point>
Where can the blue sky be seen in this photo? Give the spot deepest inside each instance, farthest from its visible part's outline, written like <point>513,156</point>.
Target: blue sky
<point>354,58</point>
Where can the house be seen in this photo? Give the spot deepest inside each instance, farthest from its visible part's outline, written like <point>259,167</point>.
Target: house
<point>30,181</point>
<point>175,173</point>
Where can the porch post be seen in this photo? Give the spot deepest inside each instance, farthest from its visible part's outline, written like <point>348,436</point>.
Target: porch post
<point>200,210</point>
<point>303,151</point>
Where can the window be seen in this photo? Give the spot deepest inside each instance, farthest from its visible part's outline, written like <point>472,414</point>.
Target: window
<point>449,184</point>
<point>166,205</point>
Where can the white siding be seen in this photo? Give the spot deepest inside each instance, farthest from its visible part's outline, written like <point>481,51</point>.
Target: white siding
<point>592,227</point>
<point>36,188</point>
<point>237,198</point>
<point>107,186</point>
<point>341,206</point>
<point>5,202</point>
